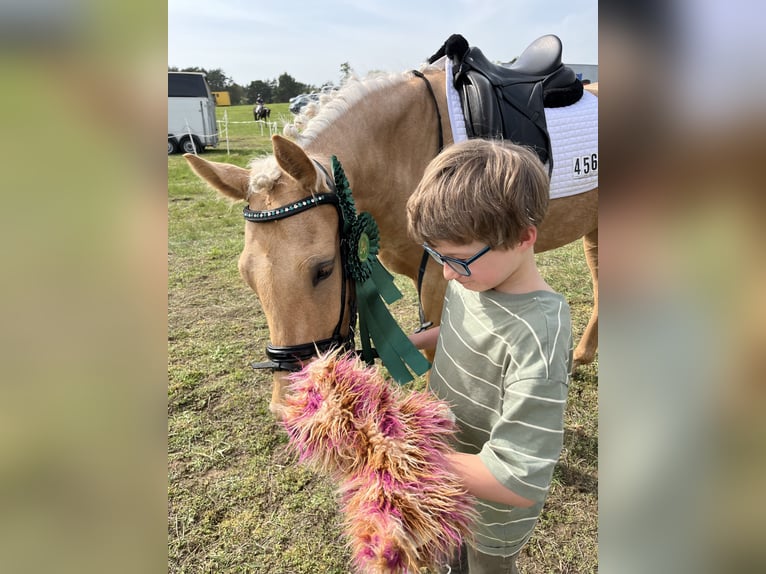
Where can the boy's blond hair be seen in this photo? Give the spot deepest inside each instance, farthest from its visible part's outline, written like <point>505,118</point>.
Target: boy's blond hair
<point>479,190</point>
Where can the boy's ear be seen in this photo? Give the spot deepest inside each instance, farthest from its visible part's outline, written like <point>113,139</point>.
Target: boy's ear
<point>528,237</point>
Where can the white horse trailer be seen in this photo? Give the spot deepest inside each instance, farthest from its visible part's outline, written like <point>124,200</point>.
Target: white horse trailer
<point>191,113</point>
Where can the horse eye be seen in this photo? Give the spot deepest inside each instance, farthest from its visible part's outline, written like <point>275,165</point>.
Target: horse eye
<point>322,272</point>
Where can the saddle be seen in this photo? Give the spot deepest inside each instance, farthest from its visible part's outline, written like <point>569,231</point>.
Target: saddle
<point>502,102</point>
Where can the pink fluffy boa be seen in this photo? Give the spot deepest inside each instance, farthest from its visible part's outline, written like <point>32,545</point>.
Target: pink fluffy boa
<point>404,508</point>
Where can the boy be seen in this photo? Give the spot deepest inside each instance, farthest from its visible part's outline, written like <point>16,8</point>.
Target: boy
<point>504,346</point>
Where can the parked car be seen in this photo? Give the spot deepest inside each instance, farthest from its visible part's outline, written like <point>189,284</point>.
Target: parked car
<point>298,102</point>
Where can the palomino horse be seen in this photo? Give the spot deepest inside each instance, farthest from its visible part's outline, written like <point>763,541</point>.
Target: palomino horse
<point>384,132</point>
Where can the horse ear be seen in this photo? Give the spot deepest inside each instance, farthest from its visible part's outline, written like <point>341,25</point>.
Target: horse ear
<point>294,161</point>
<point>230,180</point>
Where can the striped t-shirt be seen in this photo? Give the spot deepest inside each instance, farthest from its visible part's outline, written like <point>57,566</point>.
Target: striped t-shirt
<point>503,361</point>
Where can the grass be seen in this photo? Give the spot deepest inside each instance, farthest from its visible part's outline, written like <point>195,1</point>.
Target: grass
<point>237,499</point>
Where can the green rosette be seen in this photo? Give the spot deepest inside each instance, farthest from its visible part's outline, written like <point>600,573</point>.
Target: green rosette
<point>374,288</point>
<point>343,189</point>
<point>363,245</point>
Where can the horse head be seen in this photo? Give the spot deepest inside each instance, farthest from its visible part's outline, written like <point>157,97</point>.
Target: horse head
<point>292,257</point>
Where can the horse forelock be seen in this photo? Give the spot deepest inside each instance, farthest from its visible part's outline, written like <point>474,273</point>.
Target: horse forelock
<point>264,175</point>
<point>353,91</point>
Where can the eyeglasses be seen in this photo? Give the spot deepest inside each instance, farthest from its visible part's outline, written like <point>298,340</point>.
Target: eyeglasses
<point>459,266</point>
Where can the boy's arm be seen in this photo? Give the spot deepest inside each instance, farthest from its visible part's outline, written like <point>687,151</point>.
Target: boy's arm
<point>526,441</point>
<point>480,482</point>
<point>425,339</point>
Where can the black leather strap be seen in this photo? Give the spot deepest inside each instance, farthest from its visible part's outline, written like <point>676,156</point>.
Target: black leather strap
<point>291,209</point>
<point>421,313</point>
<point>424,260</point>
<point>422,76</point>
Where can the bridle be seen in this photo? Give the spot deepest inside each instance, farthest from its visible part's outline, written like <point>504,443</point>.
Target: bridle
<point>292,357</point>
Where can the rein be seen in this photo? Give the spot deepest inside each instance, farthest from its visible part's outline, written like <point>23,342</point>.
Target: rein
<point>424,259</point>
<point>291,358</point>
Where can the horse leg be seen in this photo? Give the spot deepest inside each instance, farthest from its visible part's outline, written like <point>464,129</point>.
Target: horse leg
<point>586,349</point>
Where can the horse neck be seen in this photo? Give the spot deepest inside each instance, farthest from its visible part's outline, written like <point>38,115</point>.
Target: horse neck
<point>384,142</point>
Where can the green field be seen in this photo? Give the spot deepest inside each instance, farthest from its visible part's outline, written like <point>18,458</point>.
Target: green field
<point>237,499</point>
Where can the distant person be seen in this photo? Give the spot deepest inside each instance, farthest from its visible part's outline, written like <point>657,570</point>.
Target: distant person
<point>260,111</point>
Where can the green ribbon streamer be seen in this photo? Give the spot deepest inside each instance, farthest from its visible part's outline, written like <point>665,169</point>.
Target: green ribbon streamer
<point>374,285</point>
<point>384,282</point>
<point>394,348</point>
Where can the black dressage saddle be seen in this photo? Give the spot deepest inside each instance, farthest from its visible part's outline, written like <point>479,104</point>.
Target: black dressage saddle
<point>502,102</point>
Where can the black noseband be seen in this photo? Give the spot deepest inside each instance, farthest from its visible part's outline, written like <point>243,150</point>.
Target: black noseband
<point>293,358</point>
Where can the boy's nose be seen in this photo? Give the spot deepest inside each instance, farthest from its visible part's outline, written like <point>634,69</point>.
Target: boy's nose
<point>449,272</point>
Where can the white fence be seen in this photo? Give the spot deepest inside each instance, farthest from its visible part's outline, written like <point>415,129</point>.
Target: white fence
<point>223,129</point>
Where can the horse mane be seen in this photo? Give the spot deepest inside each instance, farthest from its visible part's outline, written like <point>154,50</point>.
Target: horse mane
<point>264,171</point>
<point>315,118</point>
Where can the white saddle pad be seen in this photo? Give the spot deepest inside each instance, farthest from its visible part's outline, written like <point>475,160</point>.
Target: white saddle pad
<point>574,139</point>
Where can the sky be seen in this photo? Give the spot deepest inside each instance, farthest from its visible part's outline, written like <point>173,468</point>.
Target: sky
<point>311,39</point>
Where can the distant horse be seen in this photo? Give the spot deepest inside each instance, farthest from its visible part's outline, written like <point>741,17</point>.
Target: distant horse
<point>384,132</point>
<point>261,112</point>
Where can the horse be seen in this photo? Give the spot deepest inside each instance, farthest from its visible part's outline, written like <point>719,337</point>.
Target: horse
<point>383,130</point>
<point>261,112</point>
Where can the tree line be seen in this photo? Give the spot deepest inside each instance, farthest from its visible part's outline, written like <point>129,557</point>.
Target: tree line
<point>280,89</point>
